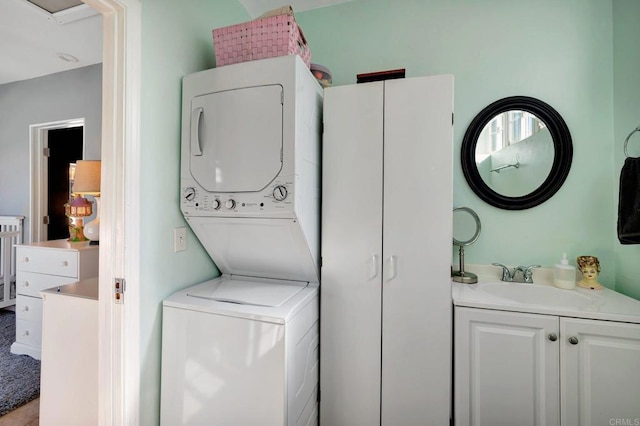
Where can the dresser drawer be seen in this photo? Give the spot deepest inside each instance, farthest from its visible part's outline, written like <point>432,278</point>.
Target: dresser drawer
<point>30,283</point>
<point>54,262</point>
<point>29,332</point>
<point>29,308</point>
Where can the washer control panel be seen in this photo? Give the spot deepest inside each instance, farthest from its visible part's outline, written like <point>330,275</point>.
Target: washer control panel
<point>276,198</point>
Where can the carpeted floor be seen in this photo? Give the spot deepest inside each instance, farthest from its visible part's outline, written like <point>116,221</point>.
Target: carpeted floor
<point>19,374</point>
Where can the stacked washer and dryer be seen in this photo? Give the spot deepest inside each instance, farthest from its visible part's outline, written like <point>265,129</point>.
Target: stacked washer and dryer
<point>242,349</point>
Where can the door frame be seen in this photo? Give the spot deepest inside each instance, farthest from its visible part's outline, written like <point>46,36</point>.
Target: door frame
<point>38,141</point>
<point>119,323</point>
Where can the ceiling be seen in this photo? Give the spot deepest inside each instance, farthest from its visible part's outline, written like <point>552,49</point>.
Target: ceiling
<point>32,40</point>
<point>258,7</point>
<point>34,43</point>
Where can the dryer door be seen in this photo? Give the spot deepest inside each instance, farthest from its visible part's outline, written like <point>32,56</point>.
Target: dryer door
<point>236,138</point>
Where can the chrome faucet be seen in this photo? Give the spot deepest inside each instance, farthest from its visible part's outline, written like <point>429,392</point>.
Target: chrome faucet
<point>526,272</point>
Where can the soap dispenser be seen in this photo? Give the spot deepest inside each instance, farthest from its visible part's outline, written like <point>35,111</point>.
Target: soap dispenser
<point>564,275</point>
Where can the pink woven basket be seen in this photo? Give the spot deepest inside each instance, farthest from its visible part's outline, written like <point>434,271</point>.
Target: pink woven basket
<point>258,39</point>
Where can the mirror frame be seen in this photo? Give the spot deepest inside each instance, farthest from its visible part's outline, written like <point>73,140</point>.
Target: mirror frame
<point>476,234</point>
<point>563,153</point>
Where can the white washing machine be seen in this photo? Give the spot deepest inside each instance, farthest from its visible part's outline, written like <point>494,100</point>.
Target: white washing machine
<point>242,349</point>
<point>243,352</point>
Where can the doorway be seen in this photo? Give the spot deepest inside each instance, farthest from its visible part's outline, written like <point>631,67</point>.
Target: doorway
<point>65,147</point>
<point>58,139</point>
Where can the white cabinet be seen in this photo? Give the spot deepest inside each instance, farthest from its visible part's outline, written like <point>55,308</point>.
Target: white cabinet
<point>506,368</point>
<point>531,369</point>
<point>39,266</point>
<point>600,372</point>
<point>386,249</point>
<point>69,370</point>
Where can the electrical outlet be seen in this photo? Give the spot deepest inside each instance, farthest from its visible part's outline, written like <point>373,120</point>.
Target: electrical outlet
<point>179,239</point>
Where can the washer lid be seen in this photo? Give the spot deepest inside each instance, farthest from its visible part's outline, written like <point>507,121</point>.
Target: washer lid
<point>247,292</point>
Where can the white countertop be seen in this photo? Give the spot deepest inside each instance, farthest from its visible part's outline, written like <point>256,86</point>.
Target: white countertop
<point>603,304</point>
<point>87,289</point>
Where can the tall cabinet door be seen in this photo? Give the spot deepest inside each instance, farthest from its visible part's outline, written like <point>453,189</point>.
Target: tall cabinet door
<point>351,255</point>
<point>416,290</point>
<point>600,367</point>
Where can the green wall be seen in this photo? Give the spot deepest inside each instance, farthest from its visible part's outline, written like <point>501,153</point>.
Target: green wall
<point>558,51</point>
<point>627,117</point>
<point>176,41</point>
<point>561,52</point>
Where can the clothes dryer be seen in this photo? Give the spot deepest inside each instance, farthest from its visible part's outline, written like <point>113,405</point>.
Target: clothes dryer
<point>250,166</point>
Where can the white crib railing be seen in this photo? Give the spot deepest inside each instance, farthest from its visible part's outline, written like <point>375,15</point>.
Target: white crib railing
<point>10,235</point>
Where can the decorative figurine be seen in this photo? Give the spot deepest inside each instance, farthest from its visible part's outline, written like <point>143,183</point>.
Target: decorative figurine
<point>590,268</point>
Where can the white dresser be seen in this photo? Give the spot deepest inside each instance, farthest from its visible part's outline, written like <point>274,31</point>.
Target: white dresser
<point>40,266</point>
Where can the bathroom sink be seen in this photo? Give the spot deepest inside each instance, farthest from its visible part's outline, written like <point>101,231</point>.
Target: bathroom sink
<point>532,294</point>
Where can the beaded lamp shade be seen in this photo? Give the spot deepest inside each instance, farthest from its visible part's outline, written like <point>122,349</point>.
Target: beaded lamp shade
<point>78,207</point>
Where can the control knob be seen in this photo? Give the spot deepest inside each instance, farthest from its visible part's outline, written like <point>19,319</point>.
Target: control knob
<point>189,193</point>
<point>230,204</point>
<point>280,192</point>
<point>216,204</point>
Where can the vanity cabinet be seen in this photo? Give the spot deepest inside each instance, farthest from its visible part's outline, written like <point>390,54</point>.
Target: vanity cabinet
<point>386,251</point>
<point>599,372</point>
<point>39,266</point>
<point>533,369</point>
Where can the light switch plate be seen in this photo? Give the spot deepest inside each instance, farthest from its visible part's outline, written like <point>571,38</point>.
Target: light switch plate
<point>179,239</point>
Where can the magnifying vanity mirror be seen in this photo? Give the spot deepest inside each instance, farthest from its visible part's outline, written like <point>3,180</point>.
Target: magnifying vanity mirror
<point>466,231</point>
<point>516,153</point>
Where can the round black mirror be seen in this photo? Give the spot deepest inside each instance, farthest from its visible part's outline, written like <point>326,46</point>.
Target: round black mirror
<point>516,153</point>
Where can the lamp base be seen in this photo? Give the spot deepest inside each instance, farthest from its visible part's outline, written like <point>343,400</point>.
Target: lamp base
<point>76,228</point>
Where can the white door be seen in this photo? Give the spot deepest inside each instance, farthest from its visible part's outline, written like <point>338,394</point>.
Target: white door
<point>600,372</point>
<point>506,368</point>
<point>351,256</point>
<point>416,289</point>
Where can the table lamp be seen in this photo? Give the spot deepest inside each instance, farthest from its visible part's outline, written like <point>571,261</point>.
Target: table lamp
<point>86,182</point>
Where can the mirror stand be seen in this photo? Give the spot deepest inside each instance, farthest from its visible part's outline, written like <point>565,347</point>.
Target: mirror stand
<point>461,276</point>
<point>465,222</point>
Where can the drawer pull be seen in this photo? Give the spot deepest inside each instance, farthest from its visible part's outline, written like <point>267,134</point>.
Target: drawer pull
<point>65,263</point>
<point>25,259</point>
<point>25,309</point>
<point>26,283</point>
<point>26,333</point>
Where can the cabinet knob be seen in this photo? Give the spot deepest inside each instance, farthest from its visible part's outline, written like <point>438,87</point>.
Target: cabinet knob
<point>573,340</point>
<point>65,263</point>
<point>25,259</point>
<point>26,283</point>
<point>26,333</point>
<point>25,309</point>
<point>553,337</point>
